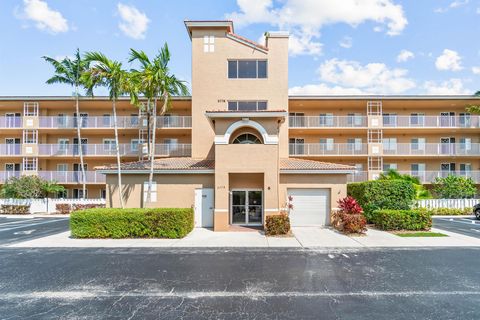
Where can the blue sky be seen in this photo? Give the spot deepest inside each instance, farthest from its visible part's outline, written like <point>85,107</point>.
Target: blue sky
<point>337,47</point>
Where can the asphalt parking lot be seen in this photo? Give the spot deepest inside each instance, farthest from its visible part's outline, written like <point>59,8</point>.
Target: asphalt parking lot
<point>13,230</point>
<point>467,226</point>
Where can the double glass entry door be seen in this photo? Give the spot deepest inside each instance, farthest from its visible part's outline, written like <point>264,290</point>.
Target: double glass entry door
<point>247,207</point>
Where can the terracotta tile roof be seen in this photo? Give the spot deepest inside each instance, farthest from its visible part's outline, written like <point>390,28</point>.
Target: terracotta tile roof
<point>253,43</point>
<point>166,164</point>
<point>302,164</point>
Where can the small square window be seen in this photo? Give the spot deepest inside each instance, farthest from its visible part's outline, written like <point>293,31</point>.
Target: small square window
<point>262,69</point>
<point>262,105</point>
<point>232,69</point>
<point>232,106</point>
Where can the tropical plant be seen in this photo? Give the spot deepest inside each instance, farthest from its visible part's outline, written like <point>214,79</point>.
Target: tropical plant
<point>108,73</point>
<point>420,191</point>
<point>454,187</point>
<point>155,82</point>
<point>29,187</point>
<point>69,71</point>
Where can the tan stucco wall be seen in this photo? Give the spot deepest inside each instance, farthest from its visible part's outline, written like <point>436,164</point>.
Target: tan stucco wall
<point>173,190</point>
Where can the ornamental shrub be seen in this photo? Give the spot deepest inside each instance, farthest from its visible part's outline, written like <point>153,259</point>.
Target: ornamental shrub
<point>349,205</point>
<point>454,187</point>
<point>448,211</point>
<point>66,208</point>
<point>417,219</point>
<point>354,223</point>
<point>15,209</point>
<point>276,225</point>
<point>172,223</point>
<point>349,218</point>
<point>382,194</point>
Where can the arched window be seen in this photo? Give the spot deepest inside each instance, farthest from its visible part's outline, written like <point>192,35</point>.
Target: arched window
<point>246,138</point>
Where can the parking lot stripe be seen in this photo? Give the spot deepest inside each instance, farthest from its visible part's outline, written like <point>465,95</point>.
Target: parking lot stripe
<point>458,221</point>
<point>30,225</point>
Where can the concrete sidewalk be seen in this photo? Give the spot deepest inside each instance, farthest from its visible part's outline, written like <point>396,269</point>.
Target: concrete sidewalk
<point>304,237</point>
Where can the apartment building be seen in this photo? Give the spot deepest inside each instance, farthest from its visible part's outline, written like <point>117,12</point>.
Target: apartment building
<point>239,146</point>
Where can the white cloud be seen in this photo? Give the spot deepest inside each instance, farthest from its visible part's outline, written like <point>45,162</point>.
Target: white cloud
<point>405,55</point>
<point>44,17</point>
<point>476,70</point>
<point>453,5</point>
<point>305,18</point>
<point>346,42</point>
<point>134,23</point>
<point>351,77</point>
<point>449,87</point>
<point>449,60</point>
<point>478,11</point>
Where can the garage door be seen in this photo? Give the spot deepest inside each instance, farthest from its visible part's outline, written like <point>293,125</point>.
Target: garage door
<point>311,207</point>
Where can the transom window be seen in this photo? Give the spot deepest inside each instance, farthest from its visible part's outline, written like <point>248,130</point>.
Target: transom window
<point>247,105</point>
<point>247,69</point>
<point>247,138</point>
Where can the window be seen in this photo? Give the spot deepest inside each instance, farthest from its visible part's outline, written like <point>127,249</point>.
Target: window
<point>134,120</point>
<point>465,120</point>
<point>326,120</point>
<point>354,120</point>
<point>106,120</point>
<point>62,194</point>
<point>465,144</point>
<point>61,120</point>
<point>247,138</point>
<point>30,109</point>
<point>390,144</point>
<point>109,144</point>
<point>78,193</point>
<point>247,69</point>
<point>296,119</point>
<point>208,43</point>
<point>447,168</point>
<point>417,167</point>
<point>417,119</point>
<point>247,105</point>
<point>63,144</point>
<point>327,144</point>
<point>296,146</point>
<point>30,164</point>
<point>30,136</point>
<point>465,167</point>
<point>153,195</point>
<point>62,167</point>
<point>389,166</point>
<point>103,194</point>
<point>389,119</point>
<point>354,144</point>
<point>417,144</point>
<point>134,144</point>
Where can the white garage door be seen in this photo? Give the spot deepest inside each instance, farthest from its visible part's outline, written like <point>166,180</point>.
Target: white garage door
<point>311,207</point>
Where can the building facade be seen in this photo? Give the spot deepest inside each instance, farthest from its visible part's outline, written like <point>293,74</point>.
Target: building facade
<point>239,146</point>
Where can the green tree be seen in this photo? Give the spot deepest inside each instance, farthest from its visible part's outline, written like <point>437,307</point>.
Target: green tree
<point>69,71</point>
<point>454,187</point>
<point>154,80</point>
<point>420,191</point>
<point>29,187</point>
<point>110,74</point>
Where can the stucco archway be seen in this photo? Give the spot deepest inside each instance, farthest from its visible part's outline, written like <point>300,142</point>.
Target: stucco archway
<point>225,138</point>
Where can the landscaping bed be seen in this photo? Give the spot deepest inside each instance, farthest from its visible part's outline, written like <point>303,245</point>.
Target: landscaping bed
<point>171,223</point>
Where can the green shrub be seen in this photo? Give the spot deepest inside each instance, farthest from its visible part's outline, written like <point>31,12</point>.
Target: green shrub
<point>448,211</point>
<point>454,187</point>
<point>417,219</point>
<point>382,194</point>
<point>115,223</point>
<point>276,225</point>
<point>15,209</point>
<point>66,208</point>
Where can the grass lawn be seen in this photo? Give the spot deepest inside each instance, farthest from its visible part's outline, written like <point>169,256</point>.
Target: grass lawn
<point>421,234</point>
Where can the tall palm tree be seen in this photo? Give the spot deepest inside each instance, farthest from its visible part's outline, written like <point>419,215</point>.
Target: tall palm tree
<point>69,71</point>
<point>108,73</point>
<point>156,82</point>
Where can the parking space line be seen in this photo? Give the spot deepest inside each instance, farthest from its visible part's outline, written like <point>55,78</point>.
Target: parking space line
<point>469,223</point>
<point>29,225</point>
<point>19,221</point>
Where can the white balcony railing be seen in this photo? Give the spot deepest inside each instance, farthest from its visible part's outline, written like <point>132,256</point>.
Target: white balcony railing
<point>5,175</point>
<point>318,149</point>
<point>327,121</point>
<point>67,177</point>
<point>407,121</point>
<point>434,149</point>
<point>169,150</point>
<point>11,122</point>
<point>430,176</point>
<point>10,149</point>
<point>358,176</point>
<point>106,122</point>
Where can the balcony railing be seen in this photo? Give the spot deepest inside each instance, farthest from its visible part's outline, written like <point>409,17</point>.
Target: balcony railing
<point>101,122</point>
<point>11,122</point>
<point>358,176</point>
<point>168,150</point>
<point>430,176</point>
<point>318,149</point>
<point>399,121</point>
<point>10,149</point>
<point>66,177</point>
<point>327,121</point>
<point>5,175</point>
<point>434,149</point>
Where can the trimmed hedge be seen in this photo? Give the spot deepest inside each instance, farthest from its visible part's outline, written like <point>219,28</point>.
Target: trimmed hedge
<point>414,220</point>
<point>276,225</point>
<point>15,209</point>
<point>172,223</point>
<point>449,211</point>
<point>382,194</point>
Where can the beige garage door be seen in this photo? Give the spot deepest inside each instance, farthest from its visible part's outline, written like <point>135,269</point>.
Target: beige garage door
<point>311,207</point>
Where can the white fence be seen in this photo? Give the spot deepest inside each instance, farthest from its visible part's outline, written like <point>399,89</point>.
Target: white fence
<point>47,205</point>
<point>447,203</point>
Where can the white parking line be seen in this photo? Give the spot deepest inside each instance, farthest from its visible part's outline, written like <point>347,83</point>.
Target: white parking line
<point>28,225</point>
<point>458,221</point>
<point>18,221</point>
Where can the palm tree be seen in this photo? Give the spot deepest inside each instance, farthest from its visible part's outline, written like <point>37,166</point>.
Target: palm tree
<point>69,71</point>
<point>155,82</point>
<point>108,73</point>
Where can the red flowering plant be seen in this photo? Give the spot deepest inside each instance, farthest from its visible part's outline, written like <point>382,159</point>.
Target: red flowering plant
<point>349,218</point>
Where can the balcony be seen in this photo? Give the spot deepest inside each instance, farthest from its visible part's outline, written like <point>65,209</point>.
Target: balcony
<point>429,176</point>
<point>359,176</point>
<point>10,149</point>
<point>126,149</point>
<point>101,122</point>
<point>336,149</point>
<point>5,175</point>
<point>472,121</point>
<point>434,149</point>
<point>72,177</point>
<point>11,122</point>
<point>327,122</point>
